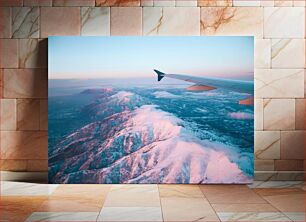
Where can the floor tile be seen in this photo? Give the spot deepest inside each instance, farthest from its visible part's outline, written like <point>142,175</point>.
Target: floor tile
<point>130,214</point>
<point>263,207</point>
<point>297,216</point>
<point>274,216</point>
<point>187,209</point>
<point>9,188</point>
<point>71,204</point>
<point>14,208</point>
<point>173,190</point>
<point>276,184</point>
<point>133,196</point>
<point>63,216</point>
<point>230,194</point>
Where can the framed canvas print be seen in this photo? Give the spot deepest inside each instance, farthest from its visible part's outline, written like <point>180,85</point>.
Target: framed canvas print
<point>151,110</point>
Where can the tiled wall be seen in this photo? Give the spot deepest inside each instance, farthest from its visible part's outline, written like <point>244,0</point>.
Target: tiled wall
<point>279,28</point>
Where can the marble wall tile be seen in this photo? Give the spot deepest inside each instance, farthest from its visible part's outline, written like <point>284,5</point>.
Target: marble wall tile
<point>279,114</point>
<point>206,3</point>
<point>171,21</point>
<point>25,83</point>
<point>27,114</point>
<point>51,17</point>
<point>5,3</point>
<point>37,165</point>
<point>8,53</point>
<point>63,216</point>
<point>146,2</point>
<point>254,216</point>
<point>25,22</point>
<point>288,53</point>
<point>1,83</point>
<point>246,3</point>
<point>300,114</point>
<point>279,176</point>
<point>43,114</point>
<point>163,3</point>
<point>278,22</point>
<point>123,3</point>
<point>95,21</point>
<point>299,3</point>
<point>73,2</point>
<point>289,165</point>
<point>186,3</point>
<point>178,191</point>
<point>13,165</point>
<point>279,83</point>
<point>280,3</point>
<point>126,21</point>
<point>232,21</point>
<point>37,2</point>
<point>262,53</point>
<point>33,53</point>
<point>292,145</point>
<point>263,165</point>
<point>267,145</point>
<point>5,22</point>
<point>24,145</point>
<point>267,3</point>
<point>8,114</point>
<point>244,208</point>
<point>258,111</point>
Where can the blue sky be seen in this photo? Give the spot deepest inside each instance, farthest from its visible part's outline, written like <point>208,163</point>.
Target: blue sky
<point>125,57</point>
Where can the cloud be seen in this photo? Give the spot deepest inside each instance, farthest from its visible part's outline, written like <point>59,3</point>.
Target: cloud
<point>165,94</point>
<point>241,115</point>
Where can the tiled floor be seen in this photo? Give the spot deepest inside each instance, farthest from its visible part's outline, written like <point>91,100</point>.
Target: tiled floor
<point>270,201</point>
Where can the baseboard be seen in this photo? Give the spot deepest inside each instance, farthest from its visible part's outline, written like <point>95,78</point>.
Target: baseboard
<point>35,177</point>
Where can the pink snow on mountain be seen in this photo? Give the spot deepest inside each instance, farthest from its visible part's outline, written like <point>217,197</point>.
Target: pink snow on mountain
<point>241,115</point>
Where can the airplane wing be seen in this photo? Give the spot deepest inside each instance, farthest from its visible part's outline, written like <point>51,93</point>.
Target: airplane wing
<point>208,83</point>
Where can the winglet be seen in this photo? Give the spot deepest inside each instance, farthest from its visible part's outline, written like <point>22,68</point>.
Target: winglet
<point>160,74</point>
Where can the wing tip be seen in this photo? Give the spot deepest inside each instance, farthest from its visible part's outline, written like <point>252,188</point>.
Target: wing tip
<point>160,74</point>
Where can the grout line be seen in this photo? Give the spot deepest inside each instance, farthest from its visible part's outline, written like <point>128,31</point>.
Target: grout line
<point>161,208</point>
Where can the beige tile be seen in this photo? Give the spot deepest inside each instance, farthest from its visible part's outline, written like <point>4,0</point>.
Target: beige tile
<point>279,83</point>
<point>300,114</point>
<point>8,114</point>
<point>37,2</point>
<point>280,3</point>
<point>187,209</point>
<point>130,214</point>
<point>173,190</point>
<point>262,54</point>
<point>5,3</point>
<point>33,53</point>
<point>118,3</point>
<point>8,53</point>
<point>258,114</point>
<point>278,22</point>
<point>267,3</point>
<point>1,83</point>
<point>13,165</point>
<point>95,21</point>
<point>146,3</point>
<point>51,17</point>
<point>43,114</point>
<point>73,2</point>
<point>186,3</point>
<point>24,145</point>
<point>292,144</point>
<point>28,114</point>
<point>25,83</point>
<point>163,3</point>
<point>63,216</point>
<point>248,3</point>
<point>5,22</point>
<point>253,216</point>
<point>279,114</point>
<point>263,165</point>
<point>37,165</point>
<point>283,50</point>
<point>267,144</point>
<point>25,22</point>
<point>263,207</point>
<point>171,21</point>
<point>289,165</point>
<point>133,196</point>
<point>126,21</point>
<point>207,3</point>
<point>230,194</point>
<point>299,3</point>
<point>232,21</point>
